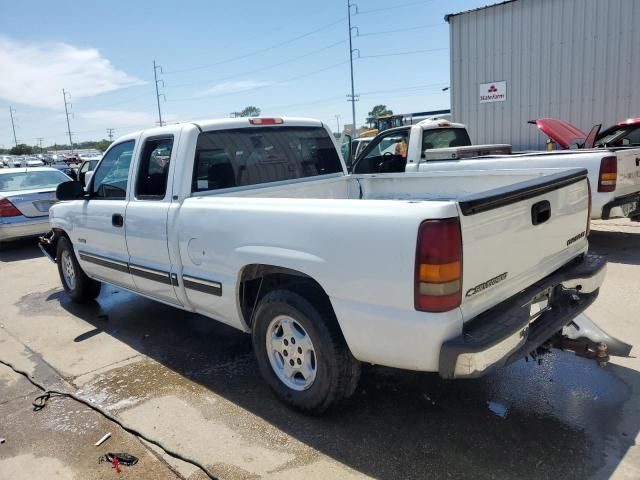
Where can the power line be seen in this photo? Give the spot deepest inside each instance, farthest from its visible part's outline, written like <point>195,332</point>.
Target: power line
<point>262,50</point>
<point>40,142</point>
<point>402,89</point>
<point>278,82</point>
<point>66,110</point>
<point>402,5</point>
<point>155,76</point>
<point>258,70</point>
<point>13,125</point>
<point>337,98</point>
<point>398,30</point>
<point>405,53</point>
<point>128,100</point>
<point>300,104</point>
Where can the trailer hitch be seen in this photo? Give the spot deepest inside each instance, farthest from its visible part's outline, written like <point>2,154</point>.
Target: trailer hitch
<point>583,337</point>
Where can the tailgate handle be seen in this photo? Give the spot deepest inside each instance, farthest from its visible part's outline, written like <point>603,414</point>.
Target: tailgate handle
<point>540,212</point>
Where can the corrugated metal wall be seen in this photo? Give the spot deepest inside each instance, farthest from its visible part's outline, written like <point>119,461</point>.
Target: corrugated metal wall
<point>577,60</point>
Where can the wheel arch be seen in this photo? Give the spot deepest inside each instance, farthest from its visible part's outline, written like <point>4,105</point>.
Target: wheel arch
<point>256,280</point>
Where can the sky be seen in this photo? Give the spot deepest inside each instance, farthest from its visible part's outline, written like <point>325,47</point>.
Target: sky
<point>286,57</point>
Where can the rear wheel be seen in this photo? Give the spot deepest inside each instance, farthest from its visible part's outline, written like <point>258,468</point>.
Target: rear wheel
<point>76,283</point>
<point>301,352</point>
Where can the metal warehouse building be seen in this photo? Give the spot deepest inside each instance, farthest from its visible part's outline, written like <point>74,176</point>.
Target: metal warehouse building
<point>576,60</point>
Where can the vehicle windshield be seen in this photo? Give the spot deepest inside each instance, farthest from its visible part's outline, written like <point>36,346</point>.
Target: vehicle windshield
<point>248,156</point>
<point>31,180</point>
<point>625,136</point>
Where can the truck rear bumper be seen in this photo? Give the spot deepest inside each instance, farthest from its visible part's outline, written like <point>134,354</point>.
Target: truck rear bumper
<point>631,202</point>
<point>506,332</point>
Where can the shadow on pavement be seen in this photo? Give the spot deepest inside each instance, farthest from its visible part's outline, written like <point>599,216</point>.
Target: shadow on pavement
<point>19,250</point>
<point>619,247</point>
<point>561,419</point>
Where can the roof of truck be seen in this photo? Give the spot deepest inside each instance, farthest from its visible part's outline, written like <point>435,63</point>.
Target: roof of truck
<point>227,123</point>
<point>224,123</point>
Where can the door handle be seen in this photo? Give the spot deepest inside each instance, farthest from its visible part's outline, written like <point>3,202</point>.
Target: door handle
<point>117,220</point>
<point>540,212</point>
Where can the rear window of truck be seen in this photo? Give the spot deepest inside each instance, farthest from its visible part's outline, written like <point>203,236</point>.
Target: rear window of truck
<point>445,138</point>
<point>250,156</point>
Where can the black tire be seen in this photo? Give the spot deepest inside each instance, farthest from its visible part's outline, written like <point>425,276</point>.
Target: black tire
<point>85,289</point>
<point>337,371</point>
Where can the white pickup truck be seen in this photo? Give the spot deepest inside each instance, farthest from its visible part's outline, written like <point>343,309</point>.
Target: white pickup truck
<point>256,223</point>
<point>432,146</point>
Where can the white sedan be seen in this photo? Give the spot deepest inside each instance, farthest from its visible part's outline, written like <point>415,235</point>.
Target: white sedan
<point>25,198</point>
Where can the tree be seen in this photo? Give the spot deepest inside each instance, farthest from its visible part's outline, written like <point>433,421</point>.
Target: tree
<point>102,145</point>
<point>249,111</point>
<point>21,149</point>
<point>379,111</point>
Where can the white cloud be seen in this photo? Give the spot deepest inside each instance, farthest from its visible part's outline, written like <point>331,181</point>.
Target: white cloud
<point>232,87</point>
<point>35,74</point>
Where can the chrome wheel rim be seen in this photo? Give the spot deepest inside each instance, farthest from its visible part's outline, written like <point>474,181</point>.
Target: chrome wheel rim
<point>68,272</point>
<point>291,353</point>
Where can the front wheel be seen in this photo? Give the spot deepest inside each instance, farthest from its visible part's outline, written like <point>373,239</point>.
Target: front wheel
<point>76,283</point>
<point>301,352</point>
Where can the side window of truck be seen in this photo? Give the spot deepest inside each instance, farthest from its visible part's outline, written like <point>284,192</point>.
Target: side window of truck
<point>111,177</point>
<point>154,169</point>
<point>387,154</point>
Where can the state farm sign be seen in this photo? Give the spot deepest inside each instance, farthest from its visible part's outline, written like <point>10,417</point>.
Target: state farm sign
<point>493,92</point>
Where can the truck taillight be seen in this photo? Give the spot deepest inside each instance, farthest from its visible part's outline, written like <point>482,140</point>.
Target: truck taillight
<point>608,174</point>
<point>7,209</point>
<point>588,230</point>
<point>438,270</point>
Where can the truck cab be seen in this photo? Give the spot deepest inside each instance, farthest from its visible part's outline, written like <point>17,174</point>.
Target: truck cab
<point>396,149</point>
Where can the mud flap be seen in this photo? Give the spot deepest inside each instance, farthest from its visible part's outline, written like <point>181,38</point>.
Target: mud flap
<point>587,339</point>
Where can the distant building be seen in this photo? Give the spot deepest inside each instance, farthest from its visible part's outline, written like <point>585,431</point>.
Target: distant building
<point>515,61</point>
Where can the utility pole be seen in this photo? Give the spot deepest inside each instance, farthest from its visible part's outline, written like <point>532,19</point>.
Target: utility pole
<point>110,134</point>
<point>40,143</point>
<point>68,104</point>
<point>338,122</point>
<point>352,98</point>
<point>13,125</point>
<point>158,94</point>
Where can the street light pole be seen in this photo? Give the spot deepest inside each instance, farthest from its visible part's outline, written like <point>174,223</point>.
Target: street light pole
<point>66,110</point>
<point>155,76</point>
<point>352,97</point>
<point>13,125</point>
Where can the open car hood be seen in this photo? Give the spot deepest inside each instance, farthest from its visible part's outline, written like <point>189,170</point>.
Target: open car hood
<point>561,132</point>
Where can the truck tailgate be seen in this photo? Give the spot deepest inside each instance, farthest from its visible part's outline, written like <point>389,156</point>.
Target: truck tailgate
<point>516,235</point>
<point>628,171</point>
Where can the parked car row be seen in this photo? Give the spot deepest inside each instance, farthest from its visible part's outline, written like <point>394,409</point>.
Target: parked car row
<point>26,194</point>
<point>9,161</point>
<point>45,159</point>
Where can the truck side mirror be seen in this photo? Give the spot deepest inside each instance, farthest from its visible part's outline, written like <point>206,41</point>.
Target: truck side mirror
<point>71,190</point>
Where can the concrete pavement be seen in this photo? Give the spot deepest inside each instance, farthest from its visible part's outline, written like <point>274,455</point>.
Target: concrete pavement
<point>193,384</point>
